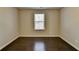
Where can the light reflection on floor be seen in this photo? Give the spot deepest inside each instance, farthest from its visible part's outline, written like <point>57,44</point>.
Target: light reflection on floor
<point>39,46</point>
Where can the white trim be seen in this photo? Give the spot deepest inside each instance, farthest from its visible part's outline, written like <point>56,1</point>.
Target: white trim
<point>69,43</point>
<point>9,42</point>
<point>39,35</point>
<point>26,36</point>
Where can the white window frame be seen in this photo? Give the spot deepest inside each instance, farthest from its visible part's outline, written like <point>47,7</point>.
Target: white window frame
<point>39,21</point>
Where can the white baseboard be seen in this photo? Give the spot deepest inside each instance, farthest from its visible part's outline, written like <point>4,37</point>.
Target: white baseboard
<point>39,35</point>
<point>26,36</point>
<point>9,42</point>
<point>70,43</point>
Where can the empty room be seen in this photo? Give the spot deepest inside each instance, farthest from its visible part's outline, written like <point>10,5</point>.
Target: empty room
<point>39,28</point>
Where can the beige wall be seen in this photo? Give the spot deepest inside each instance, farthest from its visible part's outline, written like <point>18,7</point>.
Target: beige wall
<point>8,25</point>
<point>70,26</point>
<point>67,25</point>
<point>26,23</point>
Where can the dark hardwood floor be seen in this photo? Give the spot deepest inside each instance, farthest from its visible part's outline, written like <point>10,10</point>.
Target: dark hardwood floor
<point>39,44</point>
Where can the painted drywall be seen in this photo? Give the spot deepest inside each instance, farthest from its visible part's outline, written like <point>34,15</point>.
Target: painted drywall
<point>26,23</point>
<point>8,25</point>
<point>70,26</point>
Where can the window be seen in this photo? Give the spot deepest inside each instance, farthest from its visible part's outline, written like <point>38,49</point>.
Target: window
<point>39,23</point>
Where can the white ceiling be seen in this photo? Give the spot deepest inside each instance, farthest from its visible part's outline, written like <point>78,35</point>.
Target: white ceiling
<point>39,7</point>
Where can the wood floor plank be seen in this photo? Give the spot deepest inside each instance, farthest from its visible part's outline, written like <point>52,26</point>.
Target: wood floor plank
<point>28,44</point>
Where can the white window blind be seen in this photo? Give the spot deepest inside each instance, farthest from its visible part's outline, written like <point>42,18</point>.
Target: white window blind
<point>39,17</point>
<point>39,22</point>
